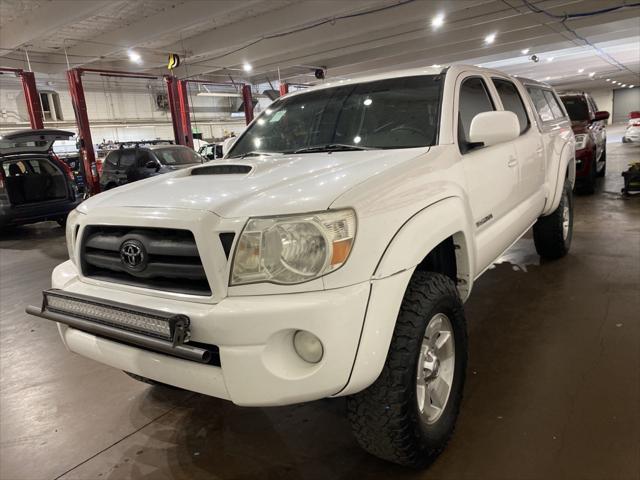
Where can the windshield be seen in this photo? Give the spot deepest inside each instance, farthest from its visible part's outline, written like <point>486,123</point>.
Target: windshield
<point>393,113</point>
<point>176,156</point>
<point>577,108</point>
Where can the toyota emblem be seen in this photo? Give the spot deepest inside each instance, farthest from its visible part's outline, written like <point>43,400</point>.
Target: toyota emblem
<point>133,255</point>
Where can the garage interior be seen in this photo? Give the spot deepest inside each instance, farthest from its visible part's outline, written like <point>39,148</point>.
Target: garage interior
<point>553,379</point>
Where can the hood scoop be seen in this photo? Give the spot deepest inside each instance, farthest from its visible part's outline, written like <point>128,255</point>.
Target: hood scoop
<point>222,170</point>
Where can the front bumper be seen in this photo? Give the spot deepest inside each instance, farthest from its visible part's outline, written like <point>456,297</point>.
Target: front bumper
<point>258,364</point>
<point>584,159</point>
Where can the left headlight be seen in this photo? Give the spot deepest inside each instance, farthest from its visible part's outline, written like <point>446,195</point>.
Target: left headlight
<point>293,249</point>
<point>70,231</point>
<point>581,141</point>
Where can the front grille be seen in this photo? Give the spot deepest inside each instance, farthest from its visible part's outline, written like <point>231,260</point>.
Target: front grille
<point>158,258</point>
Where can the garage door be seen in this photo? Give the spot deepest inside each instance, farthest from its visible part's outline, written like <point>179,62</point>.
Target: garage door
<point>625,100</point>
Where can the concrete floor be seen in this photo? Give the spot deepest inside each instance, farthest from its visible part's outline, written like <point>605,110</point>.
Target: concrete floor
<point>553,385</point>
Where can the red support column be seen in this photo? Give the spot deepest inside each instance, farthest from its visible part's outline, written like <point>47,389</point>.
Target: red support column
<point>174,107</point>
<point>284,89</point>
<point>247,100</point>
<point>87,154</point>
<point>34,107</point>
<point>183,104</point>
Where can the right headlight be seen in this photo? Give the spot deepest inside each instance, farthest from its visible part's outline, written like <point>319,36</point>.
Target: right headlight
<point>581,141</point>
<point>293,249</point>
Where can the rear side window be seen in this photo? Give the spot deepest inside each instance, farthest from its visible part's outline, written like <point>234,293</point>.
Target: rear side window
<point>127,158</point>
<point>512,101</point>
<point>556,109</point>
<point>474,99</point>
<point>111,160</point>
<point>540,103</point>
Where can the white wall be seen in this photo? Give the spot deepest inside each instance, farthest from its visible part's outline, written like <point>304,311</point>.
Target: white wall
<point>604,101</point>
<point>121,110</point>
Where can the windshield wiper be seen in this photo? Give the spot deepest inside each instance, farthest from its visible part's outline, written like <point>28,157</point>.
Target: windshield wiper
<point>331,147</point>
<point>253,153</point>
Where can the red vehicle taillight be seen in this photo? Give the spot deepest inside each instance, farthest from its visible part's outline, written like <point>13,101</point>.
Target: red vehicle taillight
<point>635,124</point>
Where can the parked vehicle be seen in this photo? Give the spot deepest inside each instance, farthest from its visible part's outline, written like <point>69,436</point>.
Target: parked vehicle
<point>34,184</point>
<point>632,133</point>
<point>130,164</point>
<point>589,126</point>
<point>211,151</point>
<point>330,252</point>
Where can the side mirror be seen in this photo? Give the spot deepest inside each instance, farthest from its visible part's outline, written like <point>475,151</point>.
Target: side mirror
<point>490,128</point>
<point>227,144</point>
<point>601,116</point>
<point>151,164</point>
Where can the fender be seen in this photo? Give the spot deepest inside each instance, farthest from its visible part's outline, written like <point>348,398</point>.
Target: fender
<point>566,169</point>
<point>409,246</point>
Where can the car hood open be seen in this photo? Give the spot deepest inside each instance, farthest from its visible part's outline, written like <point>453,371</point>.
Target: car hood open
<point>254,186</point>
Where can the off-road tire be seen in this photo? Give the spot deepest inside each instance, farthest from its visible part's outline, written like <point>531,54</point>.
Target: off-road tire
<point>603,158</point>
<point>548,232</point>
<point>385,417</point>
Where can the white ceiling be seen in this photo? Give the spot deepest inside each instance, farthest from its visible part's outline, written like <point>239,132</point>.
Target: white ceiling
<point>348,37</point>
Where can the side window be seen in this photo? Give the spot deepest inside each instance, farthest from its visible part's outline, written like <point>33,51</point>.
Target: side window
<point>474,99</point>
<point>512,101</point>
<point>540,103</point>
<point>144,157</point>
<point>111,160</point>
<point>556,109</point>
<point>127,158</point>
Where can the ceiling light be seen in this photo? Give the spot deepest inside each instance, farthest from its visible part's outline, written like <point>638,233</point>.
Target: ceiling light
<point>134,56</point>
<point>489,39</point>
<point>631,86</point>
<point>525,51</point>
<point>435,65</point>
<point>592,74</point>
<point>368,102</point>
<point>547,78</point>
<point>608,80</point>
<point>581,70</point>
<point>550,59</point>
<point>437,21</point>
<point>624,85</point>
<point>247,67</point>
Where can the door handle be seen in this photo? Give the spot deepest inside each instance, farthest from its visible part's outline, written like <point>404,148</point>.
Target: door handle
<point>513,161</point>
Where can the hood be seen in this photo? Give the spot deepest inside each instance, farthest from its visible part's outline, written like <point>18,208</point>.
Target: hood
<point>257,186</point>
<point>31,141</point>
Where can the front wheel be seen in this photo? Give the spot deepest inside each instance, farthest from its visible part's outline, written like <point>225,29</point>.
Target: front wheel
<point>552,234</point>
<point>408,414</point>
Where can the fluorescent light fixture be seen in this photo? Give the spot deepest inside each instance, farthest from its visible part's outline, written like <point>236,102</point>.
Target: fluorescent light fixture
<point>437,21</point>
<point>581,70</point>
<point>631,86</point>
<point>547,78</point>
<point>592,74</point>
<point>524,51</point>
<point>435,65</point>
<point>608,80</point>
<point>550,59</point>
<point>246,66</point>
<point>624,85</point>
<point>134,56</point>
<point>489,39</point>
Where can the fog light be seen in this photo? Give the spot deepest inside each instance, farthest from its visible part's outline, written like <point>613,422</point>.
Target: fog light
<point>308,346</point>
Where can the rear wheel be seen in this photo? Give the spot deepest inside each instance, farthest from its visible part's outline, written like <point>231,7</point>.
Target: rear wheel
<point>408,414</point>
<point>552,234</point>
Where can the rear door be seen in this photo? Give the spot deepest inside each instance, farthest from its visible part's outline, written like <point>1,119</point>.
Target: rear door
<point>491,172</point>
<point>528,145</point>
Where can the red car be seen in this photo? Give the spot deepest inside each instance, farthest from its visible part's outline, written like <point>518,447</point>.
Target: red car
<point>589,128</point>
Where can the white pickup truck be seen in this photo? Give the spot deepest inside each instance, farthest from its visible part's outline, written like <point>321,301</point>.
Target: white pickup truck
<point>329,254</point>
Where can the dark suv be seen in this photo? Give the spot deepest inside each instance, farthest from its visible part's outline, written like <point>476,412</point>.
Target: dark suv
<point>34,184</point>
<point>589,128</point>
<point>130,164</point>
